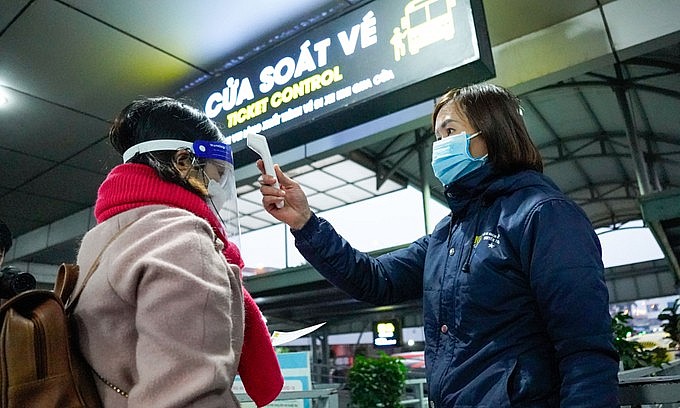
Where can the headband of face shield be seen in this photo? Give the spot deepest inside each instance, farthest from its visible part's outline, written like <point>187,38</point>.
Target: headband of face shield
<point>204,149</point>
<point>218,167</point>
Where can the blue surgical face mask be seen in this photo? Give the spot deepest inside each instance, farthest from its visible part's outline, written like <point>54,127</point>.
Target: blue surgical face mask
<point>451,158</point>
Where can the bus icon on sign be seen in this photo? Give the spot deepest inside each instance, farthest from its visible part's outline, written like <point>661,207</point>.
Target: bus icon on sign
<point>424,22</point>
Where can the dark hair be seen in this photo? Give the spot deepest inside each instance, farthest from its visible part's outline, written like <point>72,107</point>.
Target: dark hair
<point>5,237</point>
<point>160,118</point>
<point>497,114</point>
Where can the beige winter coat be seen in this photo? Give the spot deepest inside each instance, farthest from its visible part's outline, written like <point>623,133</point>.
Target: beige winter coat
<point>162,316</point>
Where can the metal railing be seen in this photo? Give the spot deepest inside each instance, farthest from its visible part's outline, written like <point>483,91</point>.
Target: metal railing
<point>634,392</point>
<point>644,387</point>
<point>651,386</point>
<point>326,397</point>
<point>418,399</point>
<point>661,391</point>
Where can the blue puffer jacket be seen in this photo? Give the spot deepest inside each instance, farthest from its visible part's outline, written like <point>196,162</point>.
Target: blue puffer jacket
<point>514,300</point>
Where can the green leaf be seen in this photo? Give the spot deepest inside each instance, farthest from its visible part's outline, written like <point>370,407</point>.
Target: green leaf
<point>377,382</point>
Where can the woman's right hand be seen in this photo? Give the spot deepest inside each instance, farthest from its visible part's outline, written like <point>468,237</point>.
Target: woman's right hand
<point>295,211</point>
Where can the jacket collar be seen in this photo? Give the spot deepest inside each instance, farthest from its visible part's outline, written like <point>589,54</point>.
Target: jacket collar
<point>485,184</point>
<point>462,192</point>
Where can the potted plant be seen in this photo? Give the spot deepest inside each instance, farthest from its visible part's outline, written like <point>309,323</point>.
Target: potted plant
<point>377,382</point>
<point>672,325</point>
<point>632,353</point>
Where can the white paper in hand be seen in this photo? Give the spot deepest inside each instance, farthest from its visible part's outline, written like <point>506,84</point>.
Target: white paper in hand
<point>279,338</point>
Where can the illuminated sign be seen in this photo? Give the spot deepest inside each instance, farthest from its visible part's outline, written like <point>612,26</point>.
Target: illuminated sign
<point>387,333</point>
<point>380,58</point>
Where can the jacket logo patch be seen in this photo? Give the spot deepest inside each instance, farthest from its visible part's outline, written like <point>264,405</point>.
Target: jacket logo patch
<point>477,239</point>
<point>492,240</point>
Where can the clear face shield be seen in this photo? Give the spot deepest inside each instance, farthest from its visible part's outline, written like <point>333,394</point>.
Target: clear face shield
<point>218,165</point>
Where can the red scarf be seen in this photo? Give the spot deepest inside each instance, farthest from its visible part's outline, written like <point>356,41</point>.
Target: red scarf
<point>132,185</point>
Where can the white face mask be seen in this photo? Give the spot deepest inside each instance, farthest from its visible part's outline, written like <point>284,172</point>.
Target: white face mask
<point>222,199</point>
<point>218,194</point>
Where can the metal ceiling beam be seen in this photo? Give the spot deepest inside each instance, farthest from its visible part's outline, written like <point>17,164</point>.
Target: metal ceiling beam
<point>672,67</point>
<point>661,210</point>
<point>405,153</point>
<point>611,138</point>
<point>610,185</point>
<point>423,141</point>
<point>601,133</point>
<point>611,83</point>
<point>564,151</point>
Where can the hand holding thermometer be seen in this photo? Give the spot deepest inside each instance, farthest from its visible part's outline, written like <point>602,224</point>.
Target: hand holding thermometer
<point>258,144</point>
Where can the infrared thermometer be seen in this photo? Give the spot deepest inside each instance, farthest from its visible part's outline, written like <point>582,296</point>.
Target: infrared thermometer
<point>259,145</point>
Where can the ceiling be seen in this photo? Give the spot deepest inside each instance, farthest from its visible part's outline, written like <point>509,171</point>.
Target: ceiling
<point>68,66</point>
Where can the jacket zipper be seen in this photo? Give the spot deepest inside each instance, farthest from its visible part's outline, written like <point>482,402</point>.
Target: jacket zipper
<point>464,268</point>
<point>40,352</point>
<point>453,227</point>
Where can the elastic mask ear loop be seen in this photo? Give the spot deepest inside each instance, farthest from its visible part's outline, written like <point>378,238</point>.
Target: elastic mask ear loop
<point>467,147</point>
<point>474,135</point>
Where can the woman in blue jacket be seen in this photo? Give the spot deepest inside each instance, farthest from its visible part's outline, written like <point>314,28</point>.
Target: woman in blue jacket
<point>514,299</point>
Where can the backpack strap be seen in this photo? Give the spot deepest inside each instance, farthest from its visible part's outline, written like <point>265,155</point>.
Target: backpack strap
<point>67,277</point>
<point>73,301</point>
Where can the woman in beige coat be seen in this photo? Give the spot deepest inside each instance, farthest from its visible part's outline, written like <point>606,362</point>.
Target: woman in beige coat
<point>161,320</point>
